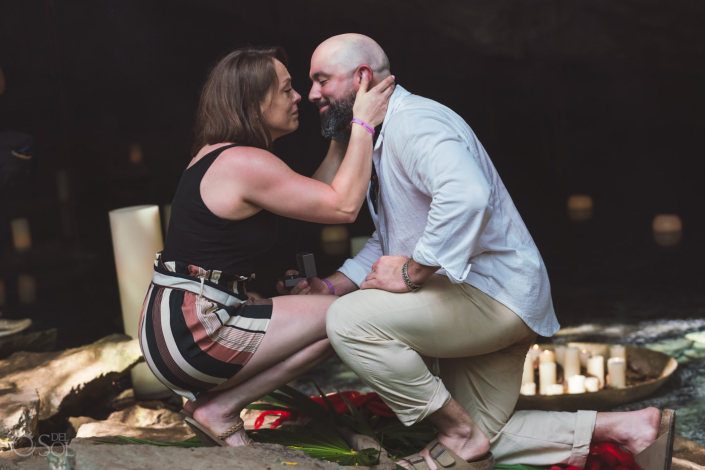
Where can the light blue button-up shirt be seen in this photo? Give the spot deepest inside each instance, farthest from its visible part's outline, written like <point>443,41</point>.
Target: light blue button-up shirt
<point>443,203</point>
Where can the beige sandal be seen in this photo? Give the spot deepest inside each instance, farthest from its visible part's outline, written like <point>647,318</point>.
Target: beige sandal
<point>659,454</point>
<point>446,458</point>
<point>206,436</point>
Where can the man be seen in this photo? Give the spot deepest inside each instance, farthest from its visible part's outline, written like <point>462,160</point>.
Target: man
<point>450,273</point>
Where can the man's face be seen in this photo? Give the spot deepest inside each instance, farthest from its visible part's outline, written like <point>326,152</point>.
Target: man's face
<point>333,92</point>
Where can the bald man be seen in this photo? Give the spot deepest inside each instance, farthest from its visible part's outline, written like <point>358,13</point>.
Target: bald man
<point>450,273</point>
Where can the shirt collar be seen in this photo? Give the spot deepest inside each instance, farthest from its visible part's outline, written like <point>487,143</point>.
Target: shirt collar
<point>395,101</point>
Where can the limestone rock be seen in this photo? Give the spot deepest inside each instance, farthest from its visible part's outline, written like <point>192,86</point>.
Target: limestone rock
<point>112,429</point>
<point>697,337</point>
<point>143,423</point>
<point>139,457</point>
<point>687,455</point>
<point>19,409</point>
<point>66,378</point>
<point>672,347</point>
<point>39,341</point>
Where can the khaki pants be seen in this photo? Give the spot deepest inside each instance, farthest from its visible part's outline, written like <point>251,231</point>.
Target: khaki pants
<point>386,339</point>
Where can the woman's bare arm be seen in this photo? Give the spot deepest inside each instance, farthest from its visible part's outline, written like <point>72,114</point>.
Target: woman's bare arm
<point>330,165</point>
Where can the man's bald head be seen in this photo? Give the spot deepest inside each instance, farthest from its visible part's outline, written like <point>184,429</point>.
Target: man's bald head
<point>346,52</point>
<point>337,67</point>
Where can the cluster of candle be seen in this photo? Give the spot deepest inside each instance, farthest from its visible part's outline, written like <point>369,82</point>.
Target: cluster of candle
<point>572,360</point>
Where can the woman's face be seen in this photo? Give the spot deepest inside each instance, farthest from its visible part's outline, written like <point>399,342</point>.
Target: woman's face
<point>279,106</point>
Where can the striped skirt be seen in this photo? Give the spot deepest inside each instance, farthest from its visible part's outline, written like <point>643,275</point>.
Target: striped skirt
<point>199,328</point>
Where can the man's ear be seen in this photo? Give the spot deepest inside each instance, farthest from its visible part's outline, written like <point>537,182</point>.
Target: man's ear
<point>358,76</point>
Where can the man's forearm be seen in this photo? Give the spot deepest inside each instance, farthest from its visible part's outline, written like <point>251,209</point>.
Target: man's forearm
<point>419,273</point>
<point>341,283</point>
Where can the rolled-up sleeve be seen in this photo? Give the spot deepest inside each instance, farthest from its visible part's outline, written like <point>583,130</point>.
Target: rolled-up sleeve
<point>357,268</point>
<point>442,165</point>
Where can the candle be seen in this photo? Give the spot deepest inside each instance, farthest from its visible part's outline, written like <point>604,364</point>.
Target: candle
<point>579,207</point>
<point>596,368</point>
<point>137,237</point>
<point>136,156</point>
<point>21,237</point>
<point>528,389</point>
<point>555,389</point>
<point>618,350</point>
<point>62,185</point>
<point>584,356</point>
<point>592,384</point>
<point>535,351</point>
<point>357,244</point>
<point>617,368</point>
<point>668,229</point>
<point>335,239</point>
<point>528,375</point>
<point>576,384</point>
<point>547,376</point>
<point>560,355</point>
<point>547,356</point>
<point>572,362</point>
<point>27,289</point>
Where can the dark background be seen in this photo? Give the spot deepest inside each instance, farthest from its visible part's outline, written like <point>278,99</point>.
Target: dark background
<point>598,97</point>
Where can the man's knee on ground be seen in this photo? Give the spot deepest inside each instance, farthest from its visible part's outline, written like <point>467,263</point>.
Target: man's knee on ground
<point>338,320</point>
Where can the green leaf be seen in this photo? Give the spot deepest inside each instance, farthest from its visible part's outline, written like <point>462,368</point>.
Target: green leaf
<point>266,407</point>
<point>358,421</point>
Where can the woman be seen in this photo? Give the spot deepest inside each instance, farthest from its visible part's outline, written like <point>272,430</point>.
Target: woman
<point>201,334</point>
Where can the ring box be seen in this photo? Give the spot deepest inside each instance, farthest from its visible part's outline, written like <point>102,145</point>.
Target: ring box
<point>307,268</point>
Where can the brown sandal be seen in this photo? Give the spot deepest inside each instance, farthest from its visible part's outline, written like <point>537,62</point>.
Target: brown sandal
<point>659,454</point>
<point>206,436</point>
<point>446,458</point>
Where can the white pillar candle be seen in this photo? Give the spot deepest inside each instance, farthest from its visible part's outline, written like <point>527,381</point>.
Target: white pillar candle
<point>596,368</point>
<point>21,238</point>
<point>336,239</point>
<point>528,389</point>
<point>617,368</point>
<point>560,355</point>
<point>62,186</point>
<point>592,384</point>
<point>555,389</point>
<point>668,229</point>
<point>580,207</point>
<point>528,375</point>
<point>535,351</point>
<point>135,153</point>
<point>357,244</point>
<point>137,237</point>
<point>547,356</point>
<point>27,289</point>
<point>547,376</point>
<point>572,362</point>
<point>584,356</point>
<point>618,350</point>
<point>576,384</point>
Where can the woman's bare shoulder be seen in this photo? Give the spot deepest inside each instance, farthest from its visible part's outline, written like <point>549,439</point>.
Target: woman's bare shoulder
<point>249,161</point>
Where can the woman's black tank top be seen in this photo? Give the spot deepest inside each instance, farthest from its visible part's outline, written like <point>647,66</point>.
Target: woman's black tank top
<point>199,237</point>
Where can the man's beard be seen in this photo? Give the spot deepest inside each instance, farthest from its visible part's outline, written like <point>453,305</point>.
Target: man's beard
<point>337,117</point>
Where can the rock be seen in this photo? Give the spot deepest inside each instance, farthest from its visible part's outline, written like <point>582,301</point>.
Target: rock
<point>698,345</point>
<point>39,341</point>
<point>672,347</point>
<point>126,399</point>
<point>143,423</point>
<point>695,353</point>
<point>111,429</point>
<point>687,455</point>
<point>64,379</point>
<point>19,410</point>
<point>697,337</point>
<point>138,457</point>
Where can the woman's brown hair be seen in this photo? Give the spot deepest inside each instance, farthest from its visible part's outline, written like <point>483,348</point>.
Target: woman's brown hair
<point>229,109</point>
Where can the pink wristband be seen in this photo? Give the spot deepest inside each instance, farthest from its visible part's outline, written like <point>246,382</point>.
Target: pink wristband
<point>365,125</point>
<point>330,286</point>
